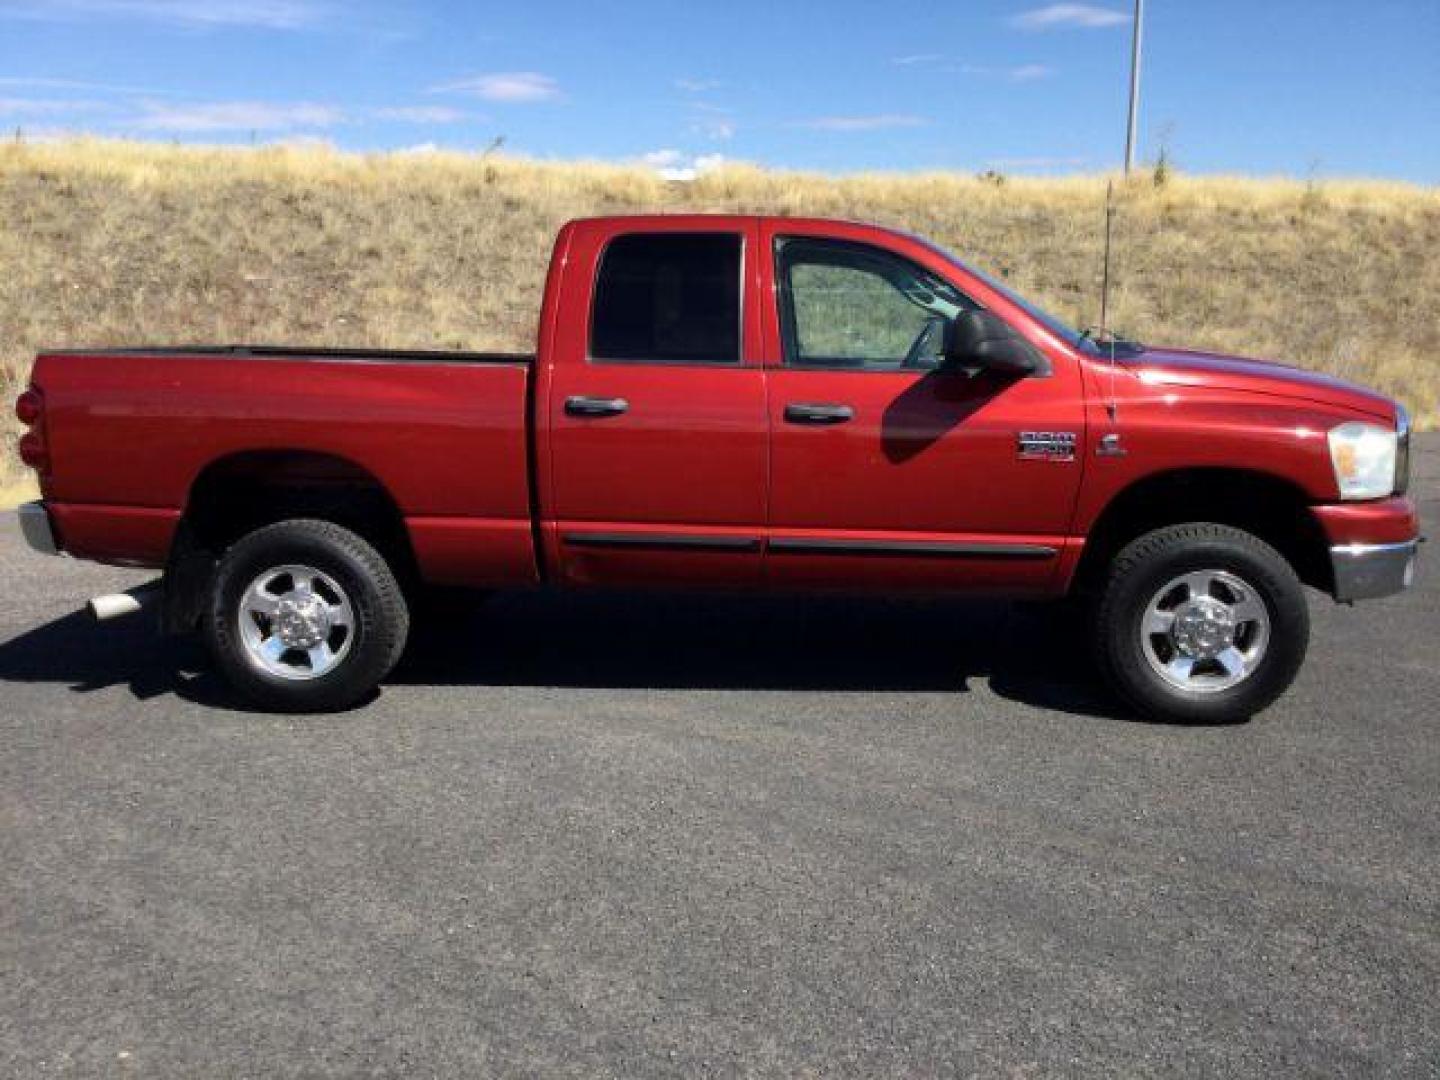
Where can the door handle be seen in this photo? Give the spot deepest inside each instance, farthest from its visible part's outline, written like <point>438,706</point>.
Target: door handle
<point>818,414</point>
<point>595,406</point>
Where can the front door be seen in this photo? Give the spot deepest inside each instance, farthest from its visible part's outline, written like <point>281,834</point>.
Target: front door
<point>656,410</point>
<point>887,471</point>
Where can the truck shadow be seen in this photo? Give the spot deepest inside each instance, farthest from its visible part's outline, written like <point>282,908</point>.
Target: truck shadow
<point>723,642</point>
<point>1030,654</point>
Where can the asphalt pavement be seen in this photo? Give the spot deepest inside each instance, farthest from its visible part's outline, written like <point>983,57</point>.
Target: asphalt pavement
<point>666,835</point>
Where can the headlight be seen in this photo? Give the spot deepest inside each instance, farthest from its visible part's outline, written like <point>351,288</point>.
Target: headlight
<point>1364,459</point>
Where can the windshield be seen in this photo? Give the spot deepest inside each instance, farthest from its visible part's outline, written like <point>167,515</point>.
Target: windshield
<point>1087,341</point>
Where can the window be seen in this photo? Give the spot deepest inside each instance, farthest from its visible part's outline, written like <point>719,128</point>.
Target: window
<point>847,305</point>
<point>668,298</point>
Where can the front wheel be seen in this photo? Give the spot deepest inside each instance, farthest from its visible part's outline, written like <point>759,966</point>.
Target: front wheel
<point>1201,623</point>
<point>305,616</point>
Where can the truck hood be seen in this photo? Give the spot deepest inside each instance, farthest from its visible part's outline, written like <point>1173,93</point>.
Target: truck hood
<point>1183,367</point>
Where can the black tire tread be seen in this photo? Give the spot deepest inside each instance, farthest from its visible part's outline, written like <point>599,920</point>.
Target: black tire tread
<point>1109,629</point>
<point>386,616</point>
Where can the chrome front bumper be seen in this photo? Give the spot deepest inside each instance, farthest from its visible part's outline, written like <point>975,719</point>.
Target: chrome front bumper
<point>1369,571</point>
<point>35,527</point>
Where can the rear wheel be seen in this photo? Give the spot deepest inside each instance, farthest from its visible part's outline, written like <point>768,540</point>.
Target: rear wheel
<point>1201,623</point>
<point>305,616</point>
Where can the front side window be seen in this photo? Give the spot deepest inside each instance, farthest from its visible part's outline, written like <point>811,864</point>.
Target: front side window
<point>852,306</point>
<point>668,298</point>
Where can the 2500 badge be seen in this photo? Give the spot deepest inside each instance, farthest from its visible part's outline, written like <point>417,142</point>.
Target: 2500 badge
<point>1046,445</point>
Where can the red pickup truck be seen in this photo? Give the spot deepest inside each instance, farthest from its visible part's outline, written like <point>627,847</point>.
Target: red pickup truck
<point>741,403</point>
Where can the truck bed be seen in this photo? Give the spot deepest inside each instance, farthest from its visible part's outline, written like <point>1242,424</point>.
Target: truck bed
<point>446,435</point>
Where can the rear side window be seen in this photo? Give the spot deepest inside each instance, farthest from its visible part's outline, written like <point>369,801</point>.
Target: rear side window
<point>668,298</point>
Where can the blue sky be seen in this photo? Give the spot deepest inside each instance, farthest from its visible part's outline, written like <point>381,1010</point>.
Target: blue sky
<point>1303,87</point>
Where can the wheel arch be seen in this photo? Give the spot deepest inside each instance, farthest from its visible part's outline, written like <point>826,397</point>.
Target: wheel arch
<point>1266,505</point>
<point>246,490</point>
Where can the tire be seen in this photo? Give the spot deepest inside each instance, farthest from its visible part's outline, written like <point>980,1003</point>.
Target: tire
<point>319,588</point>
<point>1173,597</point>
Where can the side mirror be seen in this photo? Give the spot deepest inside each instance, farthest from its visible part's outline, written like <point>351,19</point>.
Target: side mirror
<point>979,339</point>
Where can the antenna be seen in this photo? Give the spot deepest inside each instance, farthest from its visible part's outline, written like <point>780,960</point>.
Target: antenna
<point>1105,332</point>
<point>1105,273</point>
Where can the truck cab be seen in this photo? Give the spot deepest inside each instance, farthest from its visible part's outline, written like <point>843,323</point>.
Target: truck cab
<point>732,418</point>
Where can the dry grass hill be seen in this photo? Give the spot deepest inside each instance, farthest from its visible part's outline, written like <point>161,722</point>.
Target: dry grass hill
<point>115,243</point>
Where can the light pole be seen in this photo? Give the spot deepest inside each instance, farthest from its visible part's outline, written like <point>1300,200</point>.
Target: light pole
<point>1136,31</point>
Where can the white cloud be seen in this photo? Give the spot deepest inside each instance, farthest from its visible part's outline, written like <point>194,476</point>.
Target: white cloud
<point>1018,73</point>
<point>698,86</point>
<point>518,87</point>
<point>47,106</point>
<point>662,159</point>
<point>881,122</point>
<point>1022,73</point>
<point>680,166</point>
<point>1029,73</point>
<point>70,84</point>
<point>420,114</point>
<point>718,128</point>
<point>268,14</point>
<point>712,121</point>
<point>1087,16</point>
<point>237,116</point>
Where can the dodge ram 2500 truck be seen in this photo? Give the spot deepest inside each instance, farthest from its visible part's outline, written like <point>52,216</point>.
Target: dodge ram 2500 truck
<point>739,403</point>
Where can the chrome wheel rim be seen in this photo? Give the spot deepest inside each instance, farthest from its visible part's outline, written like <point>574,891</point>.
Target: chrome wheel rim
<point>296,623</point>
<point>1205,631</point>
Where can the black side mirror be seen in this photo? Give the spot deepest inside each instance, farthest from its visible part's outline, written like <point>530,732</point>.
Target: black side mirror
<point>979,339</point>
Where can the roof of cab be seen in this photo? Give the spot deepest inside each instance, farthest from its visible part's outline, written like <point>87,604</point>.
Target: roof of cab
<point>633,221</point>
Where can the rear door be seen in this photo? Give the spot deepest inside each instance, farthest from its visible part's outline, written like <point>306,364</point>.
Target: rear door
<point>888,472</point>
<point>656,407</point>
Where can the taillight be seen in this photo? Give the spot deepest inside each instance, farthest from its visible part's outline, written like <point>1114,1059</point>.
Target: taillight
<point>33,452</point>
<point>30,408</point>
